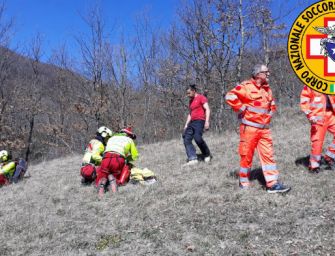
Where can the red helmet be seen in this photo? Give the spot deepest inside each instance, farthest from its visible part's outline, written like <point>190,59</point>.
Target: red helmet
<point>129,132</point>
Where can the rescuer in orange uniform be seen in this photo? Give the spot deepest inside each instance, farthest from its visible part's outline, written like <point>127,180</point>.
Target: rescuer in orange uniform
<point>319,109</point>
<point>254,102</point>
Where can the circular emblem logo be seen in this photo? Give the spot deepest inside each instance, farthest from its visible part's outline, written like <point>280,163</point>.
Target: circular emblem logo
<point>311,46</point>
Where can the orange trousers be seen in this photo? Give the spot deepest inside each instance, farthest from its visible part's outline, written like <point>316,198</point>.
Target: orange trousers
<point>318,134</point>
<point>252,138</point>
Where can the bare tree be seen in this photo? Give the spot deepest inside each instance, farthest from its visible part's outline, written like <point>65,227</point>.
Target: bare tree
<point>93,51</point>
<point>6,27</point>
<point>33,96</point>
<point>66,81</point>
<point>7,87</point>
<point>119,84</point>
<point>139,80</point>
<point>209,35</point>
<point>147,57</point>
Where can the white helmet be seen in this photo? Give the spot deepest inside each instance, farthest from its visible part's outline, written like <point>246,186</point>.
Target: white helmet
<point>105,132</point>
<point>3,156</point>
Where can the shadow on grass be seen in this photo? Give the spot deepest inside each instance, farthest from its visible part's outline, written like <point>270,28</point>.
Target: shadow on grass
<point>303,161</point>
<point>255,174</point>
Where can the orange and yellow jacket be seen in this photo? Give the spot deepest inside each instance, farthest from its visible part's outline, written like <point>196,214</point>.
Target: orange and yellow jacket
<point>314,104</point>
<point>254,103</point>
<point>93,152</point>
<point>123,145</point>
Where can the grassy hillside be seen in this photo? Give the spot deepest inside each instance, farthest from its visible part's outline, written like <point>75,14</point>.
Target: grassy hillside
<point>196,210</point>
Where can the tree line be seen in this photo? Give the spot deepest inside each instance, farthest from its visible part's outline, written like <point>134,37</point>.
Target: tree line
<point>51,109</point>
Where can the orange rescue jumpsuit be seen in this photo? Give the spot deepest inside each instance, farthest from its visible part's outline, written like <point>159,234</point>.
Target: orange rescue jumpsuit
<point>255,105</point>
<point>321,114</point>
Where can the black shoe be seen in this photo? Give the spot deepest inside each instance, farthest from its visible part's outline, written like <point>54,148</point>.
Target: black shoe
<point>314,170</point>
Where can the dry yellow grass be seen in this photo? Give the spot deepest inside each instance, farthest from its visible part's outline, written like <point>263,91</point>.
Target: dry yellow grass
<point>196,210</point>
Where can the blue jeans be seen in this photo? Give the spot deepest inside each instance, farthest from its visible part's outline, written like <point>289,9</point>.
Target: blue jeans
<point>194,131</point>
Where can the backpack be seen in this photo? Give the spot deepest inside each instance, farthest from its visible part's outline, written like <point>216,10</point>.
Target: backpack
<point>20,170</point>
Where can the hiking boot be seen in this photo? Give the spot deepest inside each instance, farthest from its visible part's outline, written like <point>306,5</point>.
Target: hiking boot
<point>192,162</point>
<point>314,170</point>
<point>207,159</point>
<point>278,188</point>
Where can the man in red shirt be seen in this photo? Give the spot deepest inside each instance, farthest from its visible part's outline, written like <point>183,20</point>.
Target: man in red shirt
<point>197,121</point>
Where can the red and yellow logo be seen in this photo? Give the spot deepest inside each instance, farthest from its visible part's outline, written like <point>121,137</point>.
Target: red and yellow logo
<point>311,46</point>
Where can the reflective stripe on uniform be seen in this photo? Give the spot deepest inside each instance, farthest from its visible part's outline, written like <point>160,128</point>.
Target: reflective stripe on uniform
<point>258,110</point>
<point>317,105</point>
<point>315,157</point>
<point>314,160</point>
<point>315,164</point>
<point>246,122</point>
<point>242,109</point>
<point>330,154</point>
<point>316,118</point>
<point>303,100</point>
<point>271,177</point>
<point>269,167</point>
<point>244,170</point>
<point>244,179</point>
<point>231,97</point>
<point>307,112</point>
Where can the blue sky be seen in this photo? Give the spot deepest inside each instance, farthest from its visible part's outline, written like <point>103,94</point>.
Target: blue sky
<point>59,20</point>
